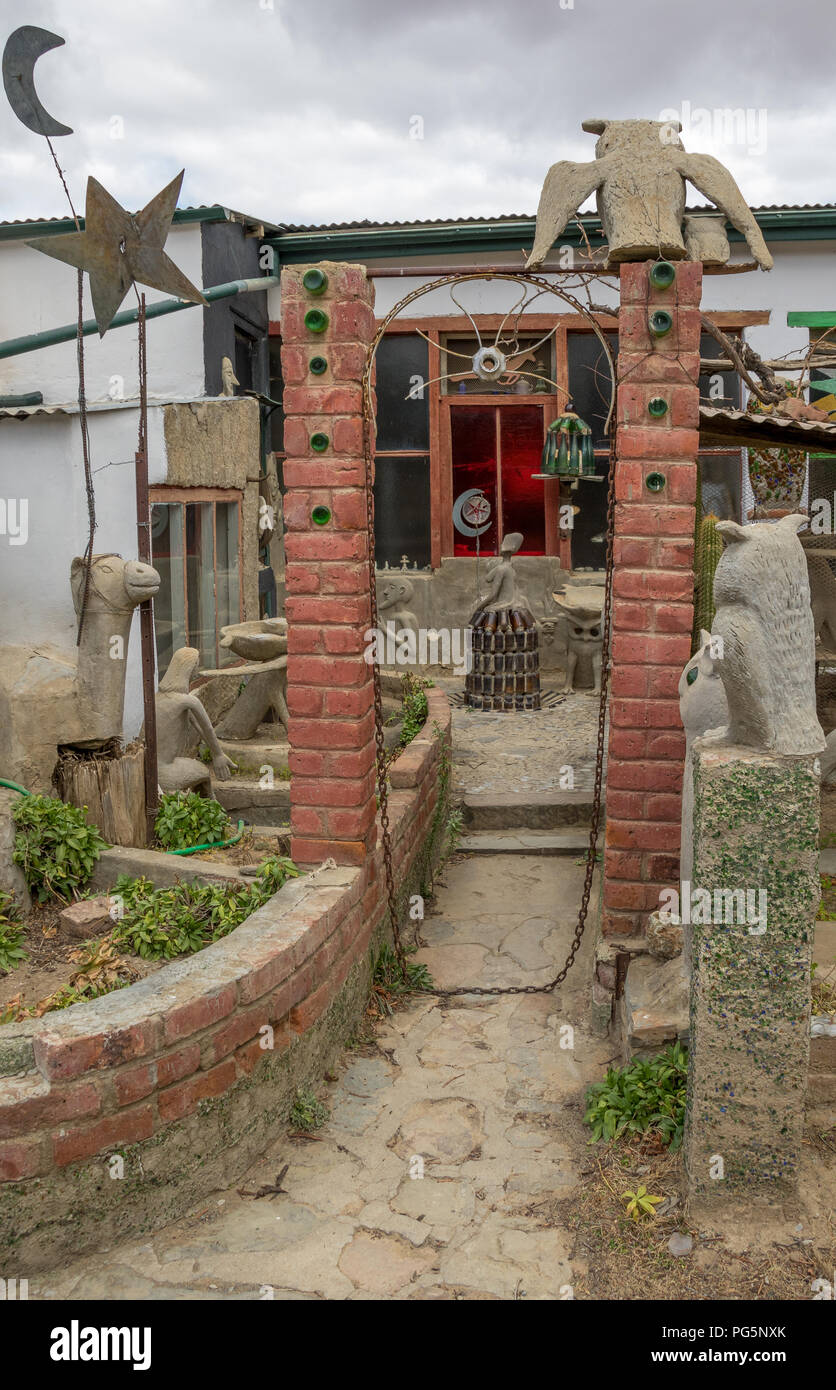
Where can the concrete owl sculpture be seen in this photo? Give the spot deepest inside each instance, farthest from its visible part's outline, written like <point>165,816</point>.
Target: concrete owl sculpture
<point>638,175</point>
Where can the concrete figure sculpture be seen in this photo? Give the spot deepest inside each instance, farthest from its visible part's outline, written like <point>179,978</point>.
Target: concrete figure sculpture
<point>583,608</point>
<point>638,175</point>
<point>182,723</point>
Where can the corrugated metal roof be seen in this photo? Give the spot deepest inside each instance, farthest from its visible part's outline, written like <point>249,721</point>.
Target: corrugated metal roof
<point>367,224</point>
<point>723,425</point>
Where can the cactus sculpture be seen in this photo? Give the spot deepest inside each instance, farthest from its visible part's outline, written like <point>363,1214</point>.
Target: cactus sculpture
<point>708,549</point>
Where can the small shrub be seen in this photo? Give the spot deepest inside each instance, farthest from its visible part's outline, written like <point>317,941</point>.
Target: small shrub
<point>643,1098</point>
<point>307,1113</point>
<point>415,707</point>
<point>161,923</point>
<point>186,819</point>
<point>12,933</point>
<point>55,846</point>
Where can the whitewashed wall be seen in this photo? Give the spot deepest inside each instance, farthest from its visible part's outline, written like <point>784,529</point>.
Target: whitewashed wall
<point>38,292</point>
<point>804,278</point>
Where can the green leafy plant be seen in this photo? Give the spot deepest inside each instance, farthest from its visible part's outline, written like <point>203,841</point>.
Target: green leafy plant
<point>12,933</point>
<point>648,1096</point>
<point>186,819</point>
<point>414,706</point>
<point>387,976</point>
<point>307,1113</point>
<point>640,1203</point>
<point>161,923</point>
<point>55,846</point>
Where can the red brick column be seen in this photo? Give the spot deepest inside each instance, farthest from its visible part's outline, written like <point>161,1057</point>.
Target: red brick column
<point>329,693</point>
<point>653,586</point>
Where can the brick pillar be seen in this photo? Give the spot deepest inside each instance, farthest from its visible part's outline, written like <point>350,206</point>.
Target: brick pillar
<point>653,586</point>
<point>329,685</point>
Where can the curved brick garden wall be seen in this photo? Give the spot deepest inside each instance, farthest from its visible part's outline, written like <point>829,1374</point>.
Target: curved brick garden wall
<point>171,1073</point>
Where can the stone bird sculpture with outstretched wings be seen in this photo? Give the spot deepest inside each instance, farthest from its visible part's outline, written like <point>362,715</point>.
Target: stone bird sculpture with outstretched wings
<point>638,175</point>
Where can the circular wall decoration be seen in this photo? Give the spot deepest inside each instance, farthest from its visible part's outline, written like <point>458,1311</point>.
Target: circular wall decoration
<point>471,512</point>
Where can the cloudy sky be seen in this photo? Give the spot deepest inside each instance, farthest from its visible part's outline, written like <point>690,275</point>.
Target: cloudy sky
<point>303,112</point>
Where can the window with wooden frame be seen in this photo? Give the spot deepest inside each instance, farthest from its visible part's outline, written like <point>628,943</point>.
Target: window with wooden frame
<point>196,549</point>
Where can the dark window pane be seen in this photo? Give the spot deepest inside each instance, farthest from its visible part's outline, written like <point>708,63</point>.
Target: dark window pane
<point>402,510</point>
<point>473,446</point>
<point>170,603</point>
<point>589,380</point>
<point>720,481</point>
<point>244,355</point>
<point>589,526</point>
<point>521,447</point>
<point>276,393</point>
<point>402,398</point>
<point>718,388</point>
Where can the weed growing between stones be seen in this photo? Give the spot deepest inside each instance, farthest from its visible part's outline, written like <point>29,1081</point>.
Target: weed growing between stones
<point>646,1097</point>
<point>307,1113</point>
<point>388,983</point>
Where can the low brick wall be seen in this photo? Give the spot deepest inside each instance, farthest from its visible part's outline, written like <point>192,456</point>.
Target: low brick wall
<point>172,1074</point>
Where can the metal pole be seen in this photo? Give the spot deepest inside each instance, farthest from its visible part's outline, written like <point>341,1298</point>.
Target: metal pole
<point>146,610</point>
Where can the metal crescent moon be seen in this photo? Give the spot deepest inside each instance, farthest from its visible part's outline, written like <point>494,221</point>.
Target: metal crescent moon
<point>23,49</point>
<point>458,520</point>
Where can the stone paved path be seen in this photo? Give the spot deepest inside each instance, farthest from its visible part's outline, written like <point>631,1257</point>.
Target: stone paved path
<point>524,752</point>
<point>479,1092</point>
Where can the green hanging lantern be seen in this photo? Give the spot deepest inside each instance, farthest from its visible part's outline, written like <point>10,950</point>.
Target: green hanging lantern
<point>568,451</point>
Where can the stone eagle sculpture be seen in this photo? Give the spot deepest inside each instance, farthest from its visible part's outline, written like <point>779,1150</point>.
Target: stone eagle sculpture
<point>638,175</point>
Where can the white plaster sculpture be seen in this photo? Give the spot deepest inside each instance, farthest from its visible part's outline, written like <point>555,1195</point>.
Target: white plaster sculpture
<point>52,696</point>
<point>182,722</point>
<point>765,623</point>
<point>392,603</point>
<point>638,175</point>
<point>583,606</point>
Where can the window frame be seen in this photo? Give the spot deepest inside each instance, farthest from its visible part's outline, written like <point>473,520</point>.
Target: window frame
<point>163,494</point>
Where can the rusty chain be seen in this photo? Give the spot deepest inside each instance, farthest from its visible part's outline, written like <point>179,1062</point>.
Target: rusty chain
<point>380,749</point>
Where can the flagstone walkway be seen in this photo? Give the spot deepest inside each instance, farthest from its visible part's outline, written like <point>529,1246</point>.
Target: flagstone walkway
<point>450,1135</point>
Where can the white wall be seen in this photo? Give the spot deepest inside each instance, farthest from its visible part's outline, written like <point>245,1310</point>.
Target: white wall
<point>40,460</point>
<point>804,278</point>
<point>37,292</point>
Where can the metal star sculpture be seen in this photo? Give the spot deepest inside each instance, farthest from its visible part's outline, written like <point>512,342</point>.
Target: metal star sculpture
<point>117,248</point>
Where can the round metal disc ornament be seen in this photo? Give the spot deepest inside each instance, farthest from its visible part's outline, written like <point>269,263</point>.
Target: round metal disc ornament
<point>489,363</point>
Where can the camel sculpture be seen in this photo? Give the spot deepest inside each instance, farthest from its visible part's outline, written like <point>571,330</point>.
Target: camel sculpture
<point>51,696</point>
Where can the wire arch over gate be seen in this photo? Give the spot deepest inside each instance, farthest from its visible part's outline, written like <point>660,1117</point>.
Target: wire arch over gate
<point>542,286</point>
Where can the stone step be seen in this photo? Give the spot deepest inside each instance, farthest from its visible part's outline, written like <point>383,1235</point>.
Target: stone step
<point>521,840</point>
<point>245,800</point>
<point>533,810</point>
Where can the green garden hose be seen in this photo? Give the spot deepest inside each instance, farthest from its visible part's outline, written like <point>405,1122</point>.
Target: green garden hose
<point>13,787</point>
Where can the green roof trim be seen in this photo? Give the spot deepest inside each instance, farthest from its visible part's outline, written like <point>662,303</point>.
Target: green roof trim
<point>816,318</point>
<point>510,236</point>
<point>56,226</point>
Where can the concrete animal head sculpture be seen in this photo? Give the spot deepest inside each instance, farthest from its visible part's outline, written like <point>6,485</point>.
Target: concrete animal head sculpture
<point>638,175</point>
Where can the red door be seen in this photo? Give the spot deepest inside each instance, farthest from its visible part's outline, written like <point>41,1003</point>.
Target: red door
<point>496,449</point>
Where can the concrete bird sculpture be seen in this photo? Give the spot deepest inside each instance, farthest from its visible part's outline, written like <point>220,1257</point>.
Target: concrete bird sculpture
<point>638,175</point>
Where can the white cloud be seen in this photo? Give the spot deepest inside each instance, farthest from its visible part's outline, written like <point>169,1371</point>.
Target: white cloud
<point>302,113</point>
